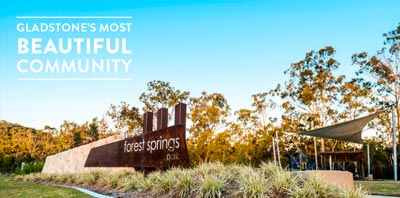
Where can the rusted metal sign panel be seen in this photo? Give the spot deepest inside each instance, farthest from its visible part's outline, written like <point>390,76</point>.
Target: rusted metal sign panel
<point>158,149</point>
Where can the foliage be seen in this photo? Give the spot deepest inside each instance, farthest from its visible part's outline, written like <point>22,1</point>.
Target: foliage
<point>206,180</point>
<point>380,73</point>
<point>312,90</point>
<point>126,119</point>
<point>93,131</point>
<point>161,94</point>
<point>310,95</point>
<point>20,144</point>
<point>252,183</point>
<point>31,167</point>
<point>208,114</point>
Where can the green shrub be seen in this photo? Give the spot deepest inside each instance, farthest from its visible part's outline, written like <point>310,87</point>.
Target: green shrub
<point>147,183</point>
<point>119,178</point>
<point>357,192</point>
<point>206,181</point>
<point>183,184</point>
<point>64,178</point>
<point>48,177</point>
<point>251,183</point>
<point>113,179</point>
<point>102,181</point>
<point>78,178</point>
<point>209,186</point>
<point>280,180</point>
<point>31,167</point>
<point>8,162</point>
<point>90,178</point>
<point>314,186</point>
<point>132,181</point>
<point>33,177</point>
<point>211,169</point>
<point>268,169</point>
<point>162,183</point>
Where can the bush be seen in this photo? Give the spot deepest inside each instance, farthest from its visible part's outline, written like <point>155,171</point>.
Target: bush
<point>280,180</point>
<point>163,182</point>
<point>183,184</point>
<point>207,180</point>
<point>132,181</point>
<point>252,183</point>
<point>209,186</point>
<point>31,167</point>
<point>147,183</point>
<point>7,164</point>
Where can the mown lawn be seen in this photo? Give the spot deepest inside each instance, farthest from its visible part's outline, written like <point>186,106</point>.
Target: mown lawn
<point>10,188</point>
<point>389,188</point>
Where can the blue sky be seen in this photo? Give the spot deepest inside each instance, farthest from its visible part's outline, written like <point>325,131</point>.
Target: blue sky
<point>237,48</point>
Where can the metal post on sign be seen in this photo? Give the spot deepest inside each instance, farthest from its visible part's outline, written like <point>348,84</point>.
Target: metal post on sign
<point>394,130</point>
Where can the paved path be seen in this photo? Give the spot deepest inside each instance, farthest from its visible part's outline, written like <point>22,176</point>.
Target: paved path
<point>380,196</point>
<point>91,193</point>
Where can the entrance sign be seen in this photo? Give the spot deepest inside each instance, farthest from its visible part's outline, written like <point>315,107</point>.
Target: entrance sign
<point>163,148</point>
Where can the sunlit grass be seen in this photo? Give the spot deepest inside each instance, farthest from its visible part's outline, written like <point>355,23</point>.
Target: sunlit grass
<point>11,189</point>
<point>388,188</point>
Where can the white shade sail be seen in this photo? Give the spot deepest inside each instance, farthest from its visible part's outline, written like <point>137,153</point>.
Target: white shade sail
<point>349,131</point>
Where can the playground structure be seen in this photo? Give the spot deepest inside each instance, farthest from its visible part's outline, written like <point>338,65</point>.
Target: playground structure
<point>352,161</point>
<point>349,131</point>
<point>341,160</point>
<point>299,162</point>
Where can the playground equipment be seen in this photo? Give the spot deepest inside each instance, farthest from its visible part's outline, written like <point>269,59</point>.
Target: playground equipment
<point>299,162</point>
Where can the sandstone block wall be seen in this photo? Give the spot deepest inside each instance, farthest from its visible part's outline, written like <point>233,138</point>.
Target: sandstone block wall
<point>73,160</point>
<point>343,179</point>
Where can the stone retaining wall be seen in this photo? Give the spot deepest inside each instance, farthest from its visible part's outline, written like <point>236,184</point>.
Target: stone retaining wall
<point>73,160</point>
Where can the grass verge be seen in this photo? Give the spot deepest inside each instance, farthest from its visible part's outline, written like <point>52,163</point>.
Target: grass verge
<point>10,188</point>
<point>388,188</point>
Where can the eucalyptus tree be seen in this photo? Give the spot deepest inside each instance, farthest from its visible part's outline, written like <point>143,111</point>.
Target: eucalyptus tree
<point>208,114</point>
<point>127,120</point>
<point>68,136</point>
<point>265,126</point>
<point>311,94</point>
<point>161,94</point>
<point>355,101</point>
<point>380,72</point>
<point>93,131</point>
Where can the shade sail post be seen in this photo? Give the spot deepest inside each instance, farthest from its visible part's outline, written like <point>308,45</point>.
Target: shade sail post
<point>369,162</point>
<point>273,148</point>
<point>277,149</point>
<point>315,153</point>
